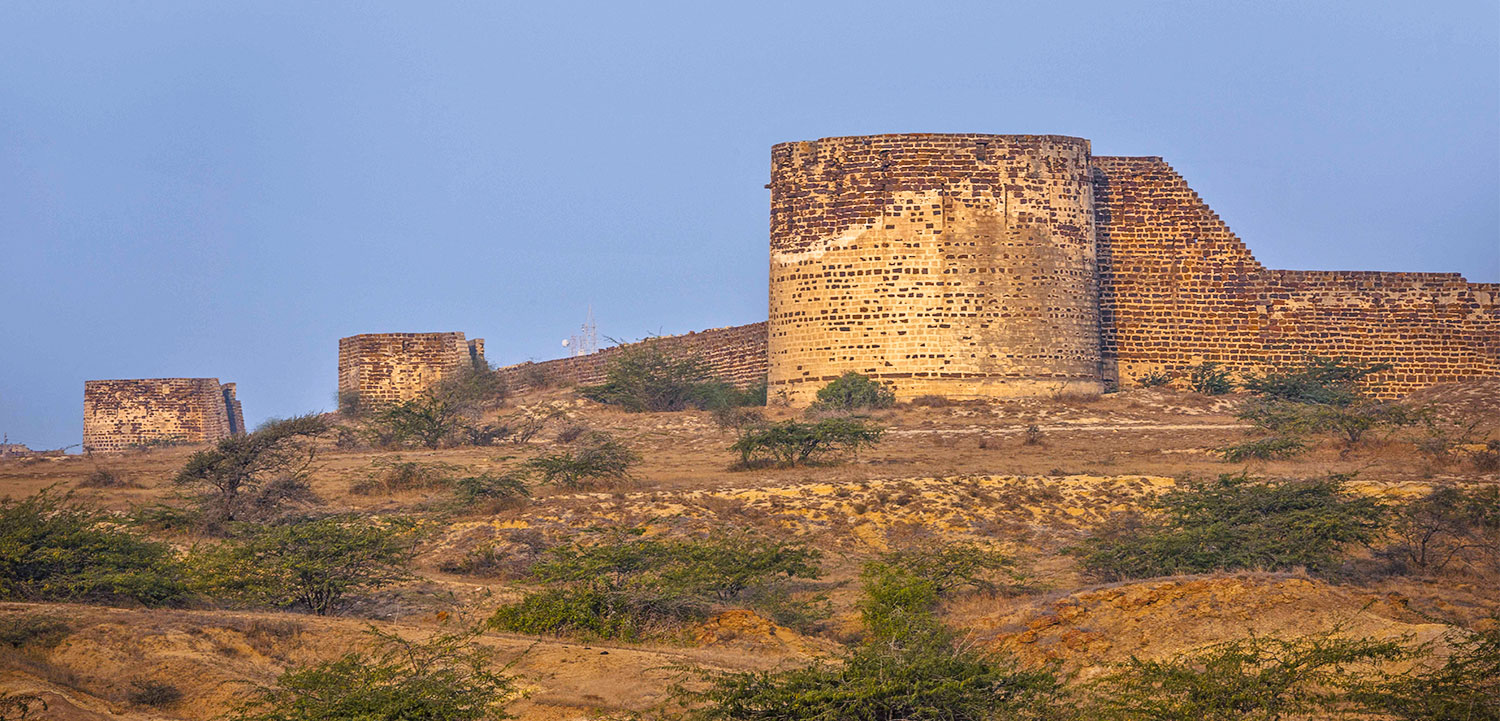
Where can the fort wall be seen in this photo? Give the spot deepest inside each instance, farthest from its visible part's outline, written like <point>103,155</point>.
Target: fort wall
<point>956,265</point>
<point>122,414</point>
<point>737,354</point>
<point>385,368</point>
<point>1177,288</point>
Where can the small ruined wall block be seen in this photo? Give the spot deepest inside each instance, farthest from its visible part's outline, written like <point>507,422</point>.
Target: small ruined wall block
<point>736,354</point>
<point>122,414</point>
<point>385,368</point>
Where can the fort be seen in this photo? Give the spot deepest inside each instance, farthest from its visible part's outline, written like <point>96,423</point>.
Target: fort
<point>971,266</point>
<point>122,414</point>
<point>384,368</point>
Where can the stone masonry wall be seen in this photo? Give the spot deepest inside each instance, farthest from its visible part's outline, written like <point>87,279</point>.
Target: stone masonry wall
<point>1178,288</point>
<point>956,265</point>
<point>122,414</point>
<point>737,354</point>
<point>385,368</point>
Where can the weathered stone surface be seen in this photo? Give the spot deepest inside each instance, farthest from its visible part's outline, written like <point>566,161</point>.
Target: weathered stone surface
<point>121,414</point>
<point>385,368</point>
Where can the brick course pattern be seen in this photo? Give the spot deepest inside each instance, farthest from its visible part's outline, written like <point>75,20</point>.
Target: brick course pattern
<point>385,368</point>
<point>955,265</point>
<point>991,265</point>
<point>122,414</point>
<point>737,354</point>
<point>1177,288</point>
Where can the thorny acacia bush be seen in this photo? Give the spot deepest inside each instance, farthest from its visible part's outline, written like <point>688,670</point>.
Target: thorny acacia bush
<point>1450,528</point>
<point>393,475</point>
<point>1318,676</point>
<point>630,587</point>
<point>794,443</point>
<point>597,457</point>
<point>1264,449</point>
<point>489,492</point>
<point>908,667</point>
<point>448,677</point>
<point>313,564</point>
<point>228,478</point>
<point>1154,379</point>
<point>644,377</point>
<point>1235,523</point>
<point>1322,396</point>
<point>854,391</point>
<point>448,414</point>
<point>55,549</point>
<point>1210,378</point>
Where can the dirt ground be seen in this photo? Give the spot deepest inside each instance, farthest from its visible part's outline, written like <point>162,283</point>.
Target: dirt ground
<point>1028,476</point>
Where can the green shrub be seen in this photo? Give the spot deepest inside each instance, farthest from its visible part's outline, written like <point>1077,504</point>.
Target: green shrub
<point>1256,678</point>
<point>1210,379</point>
<point>447,677</point>
<point>644,377</point>
<point>793,443</point>
<point>598,457</point>
<point>54,549</point>
<point>149,692</point>
<point>1236,523</point>
<point>628,587</point>
<point>951,566</point>
<point>107,478</point>
<point>227,477</point>
<point>491,488</point>
<point>853,391</point>
<point>1447,527</point>
<point>1464,687</point>
<point>1264,449</point>
<point>393,475</point>
<point>311,563</point>
<point>1318,381</point>
<point>39,631</point>
<point>909,667</point>
<point>1154,379</point>
<point>447,414</point>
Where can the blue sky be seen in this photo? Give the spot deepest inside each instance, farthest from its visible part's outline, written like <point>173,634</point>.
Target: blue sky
<point>225,189</point>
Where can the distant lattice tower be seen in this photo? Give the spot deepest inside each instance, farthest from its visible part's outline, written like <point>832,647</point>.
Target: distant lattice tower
<point>385,368</point>
<point>123,414</point>
<point>954,265</point>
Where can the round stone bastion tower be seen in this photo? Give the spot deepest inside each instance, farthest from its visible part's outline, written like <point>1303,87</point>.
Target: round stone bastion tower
<point>960,266</point>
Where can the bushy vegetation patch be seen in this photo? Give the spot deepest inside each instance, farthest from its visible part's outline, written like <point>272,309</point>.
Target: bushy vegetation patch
<point>1263,449</point>
<point>1450,528</point>
<point>908,667</point>
<point>488,492</point>
<point>596,458</point>
<point>393,475</point>
<point>1210,378</point>
<point>448,676</point>
<point>1154,379</point>
<point>854,391</point>
<point>448,414</point>
<point>313,564</point>
<point>644,377</point>
<point>795,443</point>
<point>227,479</point>
<point>630,587</point>
<point>53,548</point>
<point>37,631</point>
<point>1320,397</point>
<point>1236,523</point>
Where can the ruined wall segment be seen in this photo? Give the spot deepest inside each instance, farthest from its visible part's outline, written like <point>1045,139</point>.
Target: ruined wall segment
<point>956,265</point>
<point>122,414</point>
<point>385,368</point>
<point>736,354</point>
<point>1178,288</point>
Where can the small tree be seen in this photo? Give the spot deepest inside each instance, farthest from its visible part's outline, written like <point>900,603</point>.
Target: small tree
<point>1447,526</point>
<point>54,549</point>
<point>597,457</point>
<point>1210,378</point>
<point>313,563</point>
<point>1236,523</point>
<point>239,465</point>
<point>854,391</point>
<point>1255,678</point>
<point>644,377</point>
<point>447,677</point>
<point>793,443</point>
<point>1321,396</point>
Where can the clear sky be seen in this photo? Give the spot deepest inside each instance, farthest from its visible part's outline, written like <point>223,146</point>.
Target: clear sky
<point>224,189</point>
